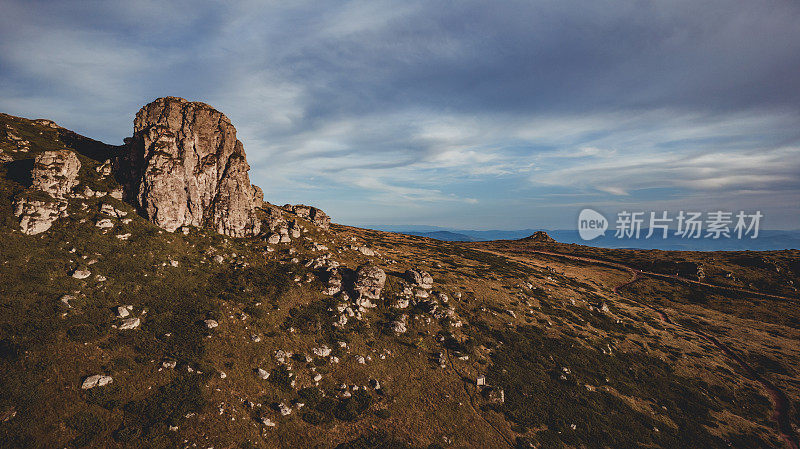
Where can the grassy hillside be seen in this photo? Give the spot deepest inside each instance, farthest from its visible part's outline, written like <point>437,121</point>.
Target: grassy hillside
<point>561,370</point>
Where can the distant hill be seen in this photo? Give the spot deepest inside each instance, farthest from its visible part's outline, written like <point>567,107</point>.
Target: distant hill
<point>767,240</point>
<point>446,236</point>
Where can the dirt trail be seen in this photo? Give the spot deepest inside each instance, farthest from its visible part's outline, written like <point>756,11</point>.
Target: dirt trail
<point>780,403</point>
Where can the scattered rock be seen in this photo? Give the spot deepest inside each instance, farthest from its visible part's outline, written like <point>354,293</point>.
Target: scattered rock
<point>111,211</point>
<point>116,194</point>
<point>322,351</point>
<point>334,282</point>
<point>169,364</point>
<point>104,169</point>
<point>130,323</point>
<point>81,273</point>
<point>45,122</point>
<point>104,223</point>
<point>211,324</point>
<point>66,299</point>
<point>267,422</point>
<point>124,311</point>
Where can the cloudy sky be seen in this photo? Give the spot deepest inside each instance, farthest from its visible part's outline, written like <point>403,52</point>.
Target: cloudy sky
<point>485,114</point>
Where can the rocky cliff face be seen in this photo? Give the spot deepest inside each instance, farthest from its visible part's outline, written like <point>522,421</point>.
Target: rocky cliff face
<point>184,166</point>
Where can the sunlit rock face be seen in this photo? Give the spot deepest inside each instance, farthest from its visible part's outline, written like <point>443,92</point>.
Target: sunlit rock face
<point>184,167</point>
<point>54,175</point>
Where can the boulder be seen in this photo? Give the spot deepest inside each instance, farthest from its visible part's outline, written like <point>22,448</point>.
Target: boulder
<point>38,215</point>
<point>184,167</point>
<point>130,323</point>
<point>97,380</point>
<point>55,172</point>
<point>312,214</point>
<point>419,278</point>
<point>369,281</point>
<point>81,273</point>
<point>54,175</point>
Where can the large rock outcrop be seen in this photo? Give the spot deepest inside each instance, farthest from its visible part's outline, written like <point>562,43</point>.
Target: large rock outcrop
<point>184,166</point>
<point>54,175</point>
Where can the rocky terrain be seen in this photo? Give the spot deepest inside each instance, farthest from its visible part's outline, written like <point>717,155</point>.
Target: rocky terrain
<point>150,297</point>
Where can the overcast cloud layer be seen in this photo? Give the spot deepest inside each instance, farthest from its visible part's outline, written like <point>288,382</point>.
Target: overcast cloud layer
<point>463,114</point>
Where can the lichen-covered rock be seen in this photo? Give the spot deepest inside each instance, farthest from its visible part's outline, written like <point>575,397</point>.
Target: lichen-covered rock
<point>55,172</point>
<point>369,281</point>
<point>312,214</point>
<point>37,216</point>
<point>54,175</point>
<point>184,167</point>
<point>419,278</point>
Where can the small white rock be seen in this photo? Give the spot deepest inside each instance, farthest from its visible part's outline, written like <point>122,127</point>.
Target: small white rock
<point>169,364</point>
<point>97,380</point>
<point>130,323</point>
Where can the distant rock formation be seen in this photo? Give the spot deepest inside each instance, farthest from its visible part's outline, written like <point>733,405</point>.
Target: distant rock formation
<point>184,166</point>
<point>541,237</point>
<point>54,175</point>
